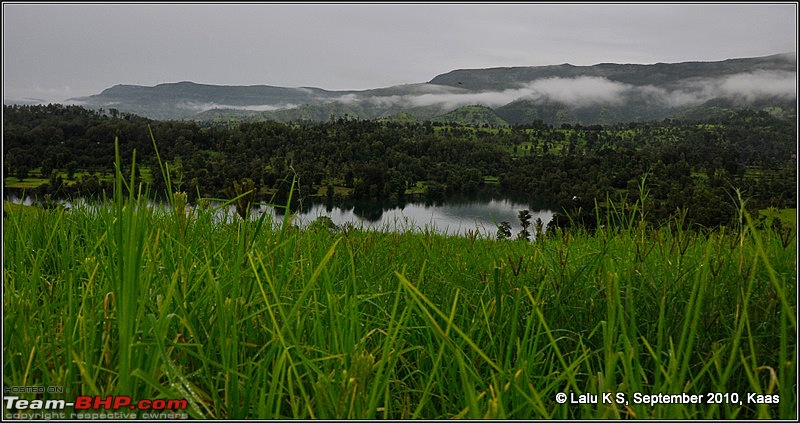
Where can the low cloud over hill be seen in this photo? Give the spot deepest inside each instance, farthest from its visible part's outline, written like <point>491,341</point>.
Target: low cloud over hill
<point>581,94</point>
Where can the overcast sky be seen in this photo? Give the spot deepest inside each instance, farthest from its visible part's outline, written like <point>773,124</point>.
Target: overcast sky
<point>56,51</point>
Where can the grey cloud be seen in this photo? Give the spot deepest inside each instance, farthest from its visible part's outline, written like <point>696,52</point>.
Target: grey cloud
<point>582,91</point>
<point>743,87</point>
<point>590,91</point>
<point>201,107</point>
<point>759,84</point>
<point>487,98</point>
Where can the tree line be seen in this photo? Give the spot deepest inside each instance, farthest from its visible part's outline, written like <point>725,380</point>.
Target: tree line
<point>686,167</point>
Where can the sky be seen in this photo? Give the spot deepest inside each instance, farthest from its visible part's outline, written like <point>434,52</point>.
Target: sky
<point>57,51</point>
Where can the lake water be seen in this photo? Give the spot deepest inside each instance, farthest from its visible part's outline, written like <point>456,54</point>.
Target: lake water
<point>451,217</point>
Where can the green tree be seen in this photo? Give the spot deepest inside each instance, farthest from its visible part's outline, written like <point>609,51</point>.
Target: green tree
<point>524,221</point>
<point>504,230</point>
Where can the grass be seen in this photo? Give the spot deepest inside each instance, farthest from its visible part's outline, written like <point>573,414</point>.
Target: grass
<point>257,319</point>
<point>35,178</point>
<point>787,217</point>
<point>14,208</point>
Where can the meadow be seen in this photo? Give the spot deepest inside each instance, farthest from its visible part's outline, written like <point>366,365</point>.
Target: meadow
<point>259,319</point>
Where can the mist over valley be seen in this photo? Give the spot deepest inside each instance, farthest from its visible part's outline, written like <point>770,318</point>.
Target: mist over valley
<point>600,94</point>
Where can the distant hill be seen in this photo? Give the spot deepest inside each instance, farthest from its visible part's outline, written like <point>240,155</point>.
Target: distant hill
<point>600,94</point>
<point>472,116</point>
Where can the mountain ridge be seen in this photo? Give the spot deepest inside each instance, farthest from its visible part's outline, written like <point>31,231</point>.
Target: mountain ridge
<point>598,94</point>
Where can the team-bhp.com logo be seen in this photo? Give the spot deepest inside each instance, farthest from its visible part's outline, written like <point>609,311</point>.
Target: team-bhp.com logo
<point>88,407</point>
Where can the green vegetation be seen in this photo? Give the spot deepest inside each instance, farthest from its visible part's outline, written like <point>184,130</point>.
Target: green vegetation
<point>257,319</point>
<point>669,269</point>
<point>786,216</point>
<point>692,166</point>
<point>9,207</point>
<point>475,115</point>
<point>35,179</point>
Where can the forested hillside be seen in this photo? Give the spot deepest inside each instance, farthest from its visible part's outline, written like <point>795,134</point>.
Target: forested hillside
<point>687,167</point>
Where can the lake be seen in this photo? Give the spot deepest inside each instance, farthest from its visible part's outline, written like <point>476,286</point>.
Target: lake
<point>457,217</point>
<point>460,217</point>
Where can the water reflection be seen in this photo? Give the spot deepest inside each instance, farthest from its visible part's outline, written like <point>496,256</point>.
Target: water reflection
<point>462,217</point>
<point>481,216</point>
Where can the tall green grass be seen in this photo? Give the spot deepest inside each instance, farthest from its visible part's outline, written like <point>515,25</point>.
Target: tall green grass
<point>257,319</point>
